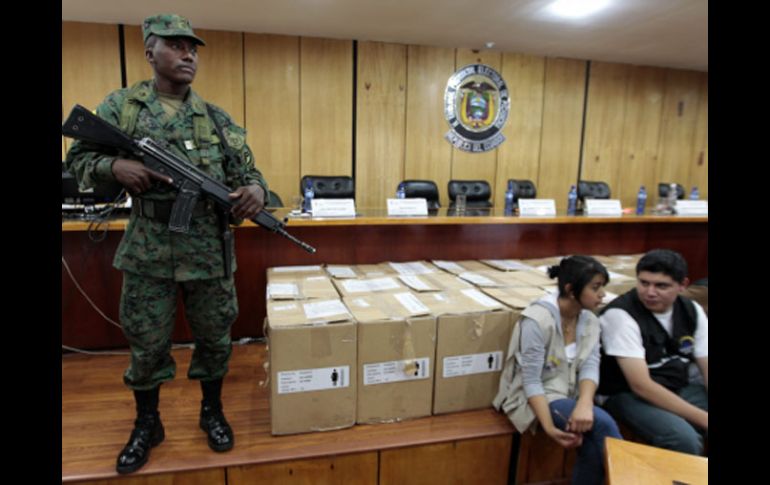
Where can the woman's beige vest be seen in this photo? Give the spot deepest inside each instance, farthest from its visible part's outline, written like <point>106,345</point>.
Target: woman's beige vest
<point>559,377</point>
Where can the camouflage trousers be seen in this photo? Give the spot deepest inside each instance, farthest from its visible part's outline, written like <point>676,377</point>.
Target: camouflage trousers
<point>148,312</point>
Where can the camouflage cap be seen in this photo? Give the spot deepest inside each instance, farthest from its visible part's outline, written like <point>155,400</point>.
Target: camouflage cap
<point>169,25</point>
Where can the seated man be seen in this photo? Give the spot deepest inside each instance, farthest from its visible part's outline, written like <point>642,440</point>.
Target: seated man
<point>650,336</point>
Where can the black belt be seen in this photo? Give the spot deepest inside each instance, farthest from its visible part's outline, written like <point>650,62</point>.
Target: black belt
<point>160,210</point>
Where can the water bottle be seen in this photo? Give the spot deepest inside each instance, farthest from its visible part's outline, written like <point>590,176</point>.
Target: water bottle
<point>307,204</point>
<point>400,193</point>
<point>572,201</point>
<point>641,200</point>
<point>694,194</point>
<point>509,208</point>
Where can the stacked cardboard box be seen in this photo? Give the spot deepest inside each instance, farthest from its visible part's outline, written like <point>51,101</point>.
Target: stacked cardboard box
<point>396,351</point>
<point>313,376</point>
<point>473,331</point>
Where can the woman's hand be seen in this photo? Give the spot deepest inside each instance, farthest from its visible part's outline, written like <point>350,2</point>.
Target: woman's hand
<point>564,438</point>
<point>582,418</point>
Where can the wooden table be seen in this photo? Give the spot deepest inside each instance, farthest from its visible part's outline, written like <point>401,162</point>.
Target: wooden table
<point>630,463</point>
<point>372,237</point>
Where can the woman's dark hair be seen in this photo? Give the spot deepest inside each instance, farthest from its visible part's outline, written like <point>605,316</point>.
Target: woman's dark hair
<point>577,270</point>
<point>665,261</point>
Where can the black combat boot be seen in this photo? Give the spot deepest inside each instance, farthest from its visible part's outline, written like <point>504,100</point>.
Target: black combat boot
<point>213,421</point>
<point>148,432</point>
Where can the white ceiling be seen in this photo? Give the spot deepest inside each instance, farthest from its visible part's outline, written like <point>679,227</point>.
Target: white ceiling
<point>667,33</point>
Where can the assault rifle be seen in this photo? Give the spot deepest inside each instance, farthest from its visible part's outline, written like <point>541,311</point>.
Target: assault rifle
<point>190,181</point>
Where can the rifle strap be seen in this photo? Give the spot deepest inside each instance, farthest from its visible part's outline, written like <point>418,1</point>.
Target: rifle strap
<point>224,218</point>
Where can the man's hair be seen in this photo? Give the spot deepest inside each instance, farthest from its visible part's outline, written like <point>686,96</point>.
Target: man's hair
<point>664,261</point>
<point>151,41</point>
<point>577,270</point>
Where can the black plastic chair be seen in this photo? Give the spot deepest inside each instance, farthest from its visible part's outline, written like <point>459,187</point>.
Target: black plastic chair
<point>592,190</point>
<point>522,189</point>
<point>477,193</point>
<point>663,189</point>
<point>329,186</point>
<point>426,189</point>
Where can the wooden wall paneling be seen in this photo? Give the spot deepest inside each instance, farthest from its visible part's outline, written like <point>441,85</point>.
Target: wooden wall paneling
<point>428,154</point>
<point>482,460</point>
<point>326,107</point>
<point>212,476</point>
<point>476,166</point>
<point>219,79</point>
<point>562,123</point>
<point>380,122</point>
<point>603,137</point>
<point>680,114</point>
<point>137,67</point>
<point>519,155</point>
<point>272,76</point>
<point>699,170</point>
<point>641,134</point>
<point>358,468</point>
<point>90,65</point>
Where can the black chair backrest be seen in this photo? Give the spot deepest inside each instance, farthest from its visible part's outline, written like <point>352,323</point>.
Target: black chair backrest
<point>330,186</point>
<point>273,200</point>
<point>477,193</point>
<point>593,190</point>
<point>663,189</point>
<point>523,189</point>
<point>426,189</point>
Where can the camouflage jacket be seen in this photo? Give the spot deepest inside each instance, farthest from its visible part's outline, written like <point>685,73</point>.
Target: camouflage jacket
<point>148,247</point>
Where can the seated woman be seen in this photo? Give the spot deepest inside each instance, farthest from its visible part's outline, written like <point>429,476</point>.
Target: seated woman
<point>552,368</point>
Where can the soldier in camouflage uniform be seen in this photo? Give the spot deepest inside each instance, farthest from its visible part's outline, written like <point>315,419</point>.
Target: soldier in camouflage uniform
<point>156,262</point>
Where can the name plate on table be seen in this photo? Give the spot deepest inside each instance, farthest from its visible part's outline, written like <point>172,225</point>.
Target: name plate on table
<point>333,207</point>
<point>408,207</point>
<point>603,207</point>
<point>692,207</point>
<point>537,207</point>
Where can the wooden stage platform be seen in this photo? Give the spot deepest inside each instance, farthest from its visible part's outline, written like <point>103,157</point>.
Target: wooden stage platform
<point>98,414</point>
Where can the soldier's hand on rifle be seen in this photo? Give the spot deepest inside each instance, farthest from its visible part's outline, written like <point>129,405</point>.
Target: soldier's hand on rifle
<point>250,200</point>
<point>135,176</point>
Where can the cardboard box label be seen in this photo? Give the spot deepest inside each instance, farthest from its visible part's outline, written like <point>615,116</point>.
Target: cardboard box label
<point>324,309</point>
<point>396,371</point>
<point>341,271</point>
<point>292,269</point>
<point>369,286</point>
<point>282,290</point>
<point>463,365</point>
<point>415,282</point>
<point>449,266</point>
<point>304,380</point>
<point>411,268</point>
<point>412,304</point>
<point>481,298</point>
<point>477,279</point>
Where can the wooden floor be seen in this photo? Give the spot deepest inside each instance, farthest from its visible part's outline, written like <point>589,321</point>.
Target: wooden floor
<point>98,414</point>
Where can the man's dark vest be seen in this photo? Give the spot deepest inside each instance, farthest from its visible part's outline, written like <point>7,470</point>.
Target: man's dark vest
<point>667,356</point>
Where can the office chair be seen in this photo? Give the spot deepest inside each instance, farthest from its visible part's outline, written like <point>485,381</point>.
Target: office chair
<point>426,189</point>
<point>592,190</point>
<point>477,193</point>
<point>522,189</point>
<point>330,186</point>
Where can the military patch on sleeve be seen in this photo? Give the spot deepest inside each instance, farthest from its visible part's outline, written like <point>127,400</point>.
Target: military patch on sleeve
<point>234,139</point>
